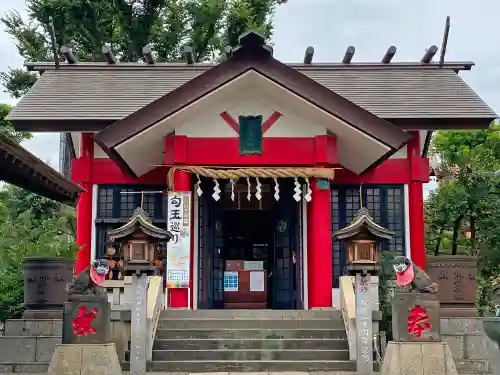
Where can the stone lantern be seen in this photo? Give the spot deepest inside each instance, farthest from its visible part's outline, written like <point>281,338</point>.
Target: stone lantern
<point>363,237</point>
<point>139,241</point>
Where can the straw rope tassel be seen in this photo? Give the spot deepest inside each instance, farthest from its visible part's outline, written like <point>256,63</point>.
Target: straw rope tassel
<point>236,174</point>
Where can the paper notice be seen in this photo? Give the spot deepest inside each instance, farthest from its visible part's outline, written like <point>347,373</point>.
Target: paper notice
<point>257,281</point>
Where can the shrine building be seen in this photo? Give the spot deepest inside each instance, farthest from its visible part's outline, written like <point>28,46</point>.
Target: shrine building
<point>251,164</point>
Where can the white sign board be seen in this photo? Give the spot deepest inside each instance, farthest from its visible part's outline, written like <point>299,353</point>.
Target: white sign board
<point>257,281</point>
<point>253,265</point>
<point>179,247</point>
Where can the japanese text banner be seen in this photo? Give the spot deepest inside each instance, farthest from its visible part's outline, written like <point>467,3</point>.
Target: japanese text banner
<point>179,247</point>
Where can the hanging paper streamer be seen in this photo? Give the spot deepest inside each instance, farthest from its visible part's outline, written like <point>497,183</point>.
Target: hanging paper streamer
<point>249,195</point>
<point>232,190</point>
<point>276,189</point>
<point>199,191</point>
<point>297,190</point>
<point>308,195</point>
<point>258,188</point>
<point>217,190</point>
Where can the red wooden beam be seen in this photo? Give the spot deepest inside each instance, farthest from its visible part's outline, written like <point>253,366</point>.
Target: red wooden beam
<point>271,120</point>
<point>230,121</point>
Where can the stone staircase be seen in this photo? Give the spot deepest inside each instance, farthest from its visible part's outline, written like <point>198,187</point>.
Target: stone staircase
<point>249,340</point>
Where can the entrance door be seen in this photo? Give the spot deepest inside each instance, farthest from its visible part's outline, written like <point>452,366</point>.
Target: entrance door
<point>210,244</point>
<point>286,280</point>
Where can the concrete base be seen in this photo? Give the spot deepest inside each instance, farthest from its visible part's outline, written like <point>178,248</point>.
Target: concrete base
<point>424,358</point>
<point>74,359</point>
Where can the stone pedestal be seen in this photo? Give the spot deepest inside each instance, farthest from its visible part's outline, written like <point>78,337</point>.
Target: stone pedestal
<point>86,320</point>
<point>85,360</point>
<point>426,326</point>
<point>423,358</point>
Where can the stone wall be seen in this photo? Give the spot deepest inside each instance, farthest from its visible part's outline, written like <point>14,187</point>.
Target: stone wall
<point>470,346</point>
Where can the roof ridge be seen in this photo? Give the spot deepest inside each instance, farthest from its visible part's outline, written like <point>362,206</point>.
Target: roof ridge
<point>457,65</point>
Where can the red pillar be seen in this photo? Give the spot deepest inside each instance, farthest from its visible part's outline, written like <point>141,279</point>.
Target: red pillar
<point>319,248</point>
<point>84,206</point>
<point>416,203</point>
<point>178,298</point>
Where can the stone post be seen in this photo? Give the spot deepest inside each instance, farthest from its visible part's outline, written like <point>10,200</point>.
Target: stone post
<point>139,324</point>
<point>139,319</point>
<point>364,334</point>
<point>364,328</point>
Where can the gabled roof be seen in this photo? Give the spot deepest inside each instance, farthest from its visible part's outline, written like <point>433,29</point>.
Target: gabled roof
<point>21,168</point>
<point>362,221</point>
<point>91,96</point>
<point>141,221</point>
<point>251,55</point>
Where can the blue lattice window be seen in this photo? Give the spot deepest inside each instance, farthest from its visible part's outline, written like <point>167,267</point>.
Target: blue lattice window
<point>115,206</point>
<point>385,204</point>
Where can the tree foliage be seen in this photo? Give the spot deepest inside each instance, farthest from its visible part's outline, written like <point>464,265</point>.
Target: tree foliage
<point>463,214</point>
<point>128,25</point>
<point>30,225</point>
<point>6,127</point>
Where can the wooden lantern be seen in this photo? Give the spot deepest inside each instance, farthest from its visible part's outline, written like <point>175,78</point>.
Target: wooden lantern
<point>139,239</point>
<point>362,250</point>
<point>363,237</point>
<point>140,251</point>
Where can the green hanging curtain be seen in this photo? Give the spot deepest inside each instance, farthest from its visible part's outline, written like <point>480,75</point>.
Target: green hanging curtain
<point>250,135</point>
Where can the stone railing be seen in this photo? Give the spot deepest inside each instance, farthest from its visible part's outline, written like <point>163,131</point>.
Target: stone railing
<point>348,308</point>
<point>119,293</point>
<point>156,303</point>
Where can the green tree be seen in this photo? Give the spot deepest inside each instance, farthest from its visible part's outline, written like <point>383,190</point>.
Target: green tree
<point>30,225</point>
<point>470,202</point>
<point>20,237</point>
<point>167,25</point>
<point>6,127</point>
<point>458,205</point>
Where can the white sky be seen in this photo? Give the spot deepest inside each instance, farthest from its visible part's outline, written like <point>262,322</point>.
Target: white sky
<point>370,25</point>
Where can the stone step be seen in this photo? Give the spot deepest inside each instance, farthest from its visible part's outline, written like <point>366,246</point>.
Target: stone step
<point>252,314</point>
<point>30,327</point>
<point>251,355</point>
<point>246,366</point>
<point>267,344</point>
<point>23,368</point>
<point>246,324</point>
<point>250,333</point>
<point>27,348</point>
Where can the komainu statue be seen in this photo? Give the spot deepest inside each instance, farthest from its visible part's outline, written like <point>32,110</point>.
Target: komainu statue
<point>409,275</point>
<point>90,281</point>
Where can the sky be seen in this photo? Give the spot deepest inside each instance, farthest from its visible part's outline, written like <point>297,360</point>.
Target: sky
<point>330,26</point>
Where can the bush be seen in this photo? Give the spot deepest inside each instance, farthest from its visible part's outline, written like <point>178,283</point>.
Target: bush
<point>22,237</point>
<point>385,292</point>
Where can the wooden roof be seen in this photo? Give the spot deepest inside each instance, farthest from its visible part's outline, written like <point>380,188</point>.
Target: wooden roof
<point>21,168</point>
<point>362,221</point>
<point>251,55</point>
<point>91,96</point>
<point>139,221</point>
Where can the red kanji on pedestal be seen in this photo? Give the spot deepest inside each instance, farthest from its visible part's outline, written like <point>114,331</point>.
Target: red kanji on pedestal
<point>418,321</point>
<point>82,323</point>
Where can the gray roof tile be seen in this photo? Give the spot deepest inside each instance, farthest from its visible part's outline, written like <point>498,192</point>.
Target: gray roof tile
<point>114,92</point>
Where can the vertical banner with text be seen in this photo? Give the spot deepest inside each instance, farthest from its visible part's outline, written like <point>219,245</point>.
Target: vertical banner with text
<point>179,247</point>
